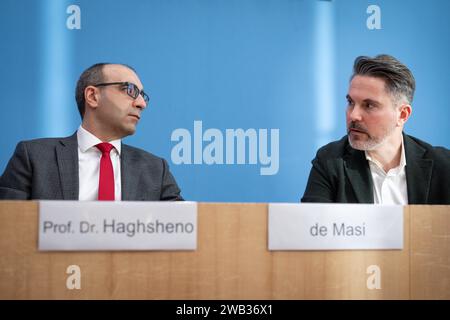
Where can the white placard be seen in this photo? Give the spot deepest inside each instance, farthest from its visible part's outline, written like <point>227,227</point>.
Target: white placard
<point>121,225</point>
<point>311,226</point>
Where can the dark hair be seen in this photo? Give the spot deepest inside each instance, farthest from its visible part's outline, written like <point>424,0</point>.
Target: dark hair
<point>398,78</point>
<point>91,76</point>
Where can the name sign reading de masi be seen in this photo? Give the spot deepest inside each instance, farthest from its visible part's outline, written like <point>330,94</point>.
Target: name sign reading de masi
<point>335,226</point>
<point>98,225</point>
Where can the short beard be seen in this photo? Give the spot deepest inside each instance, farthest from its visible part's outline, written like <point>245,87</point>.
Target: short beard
<point>371,143</point>
<point>368,145</point>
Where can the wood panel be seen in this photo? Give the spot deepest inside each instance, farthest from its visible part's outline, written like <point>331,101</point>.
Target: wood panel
<point>232,262</point>
<point>430,252</point>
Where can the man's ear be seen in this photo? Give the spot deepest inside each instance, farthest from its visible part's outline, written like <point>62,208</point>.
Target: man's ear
<point>404,113</point>
<point>91,96</point>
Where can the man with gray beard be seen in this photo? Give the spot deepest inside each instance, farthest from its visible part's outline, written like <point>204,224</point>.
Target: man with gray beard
<point>376,162</point>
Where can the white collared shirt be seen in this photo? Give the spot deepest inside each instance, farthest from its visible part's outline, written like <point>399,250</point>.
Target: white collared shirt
<point>89,165</point>
<point>389,187</point>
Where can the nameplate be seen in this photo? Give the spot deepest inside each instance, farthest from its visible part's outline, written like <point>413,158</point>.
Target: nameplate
<point>335,226</point>
<point>98,225</point>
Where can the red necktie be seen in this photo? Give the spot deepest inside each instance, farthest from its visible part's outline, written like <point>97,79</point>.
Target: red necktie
<point>106,180</point>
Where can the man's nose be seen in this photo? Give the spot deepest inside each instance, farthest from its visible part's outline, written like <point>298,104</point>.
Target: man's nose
<point>354,113</point>
<point>140,103</point>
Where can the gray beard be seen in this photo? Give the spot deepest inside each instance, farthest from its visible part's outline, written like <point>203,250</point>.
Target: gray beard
<point>370,144</point>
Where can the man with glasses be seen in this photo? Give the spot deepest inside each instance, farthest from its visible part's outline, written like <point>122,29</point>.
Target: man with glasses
<point>93,163</point>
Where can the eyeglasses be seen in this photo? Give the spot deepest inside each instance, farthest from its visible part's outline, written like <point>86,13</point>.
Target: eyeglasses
<point>132,90</point>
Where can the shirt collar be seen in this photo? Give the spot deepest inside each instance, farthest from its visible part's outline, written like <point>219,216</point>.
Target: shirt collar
<point>398,168</point>
<point>87,140</point>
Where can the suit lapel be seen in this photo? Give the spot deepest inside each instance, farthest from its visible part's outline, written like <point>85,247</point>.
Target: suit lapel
<point>358,173</point>
<point>129,174</point>
<point>67,159</point>
<point>418,172</point>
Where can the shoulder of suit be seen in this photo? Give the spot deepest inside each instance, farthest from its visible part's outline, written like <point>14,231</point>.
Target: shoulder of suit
<point>139,152</point>
<point>433,152</point>
<point>334,149</point>
<point>44,141</point>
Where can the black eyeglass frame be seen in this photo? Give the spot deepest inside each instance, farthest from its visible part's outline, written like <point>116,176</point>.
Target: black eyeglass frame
<point>130,86</point>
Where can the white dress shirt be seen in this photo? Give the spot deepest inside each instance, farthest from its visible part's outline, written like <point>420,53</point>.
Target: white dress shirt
<point>389,187</point>
<point>89,165</point>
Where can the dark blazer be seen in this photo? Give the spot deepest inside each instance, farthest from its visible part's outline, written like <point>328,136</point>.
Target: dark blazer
<point>48,169</point>
<point>342,174</point>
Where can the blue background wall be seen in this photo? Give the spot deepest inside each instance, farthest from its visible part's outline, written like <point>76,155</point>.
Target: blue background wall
<point>250,64</point>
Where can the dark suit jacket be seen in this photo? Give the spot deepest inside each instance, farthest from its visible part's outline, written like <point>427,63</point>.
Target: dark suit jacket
<point>48,169</point>
<point>342,174</point>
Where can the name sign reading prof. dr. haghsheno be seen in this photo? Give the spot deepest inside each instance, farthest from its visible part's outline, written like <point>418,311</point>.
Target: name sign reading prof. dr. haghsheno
<point>335,227</point>
<point>98,225</point>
